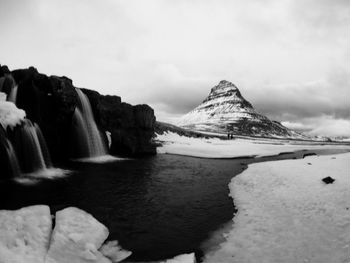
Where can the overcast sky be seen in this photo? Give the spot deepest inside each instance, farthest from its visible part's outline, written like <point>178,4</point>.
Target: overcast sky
<point>289,58</point>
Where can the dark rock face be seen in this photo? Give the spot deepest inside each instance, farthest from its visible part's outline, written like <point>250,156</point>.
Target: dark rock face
<point>131,127</point>
<point>51,101</point>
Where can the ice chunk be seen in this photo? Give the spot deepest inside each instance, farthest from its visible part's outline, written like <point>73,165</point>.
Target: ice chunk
<point>184,258</point>
<point>25,234</point>
<point>76,238</point>
<point>114,252</point>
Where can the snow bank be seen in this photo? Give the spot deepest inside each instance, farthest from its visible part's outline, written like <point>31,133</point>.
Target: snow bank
<point>3,96</point>
<point>25,234</point>
<point>184,258</point>
<point>10,115</point>
<point>217,148</point>
<point>287,214</point>
<point>77,237</point>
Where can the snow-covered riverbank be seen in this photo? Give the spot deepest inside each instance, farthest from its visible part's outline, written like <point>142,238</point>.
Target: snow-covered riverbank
<point>287,214</point>
<point>173,143</point>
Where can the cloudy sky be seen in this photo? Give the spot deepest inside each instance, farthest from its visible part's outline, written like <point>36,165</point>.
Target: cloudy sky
<point>289,58</point>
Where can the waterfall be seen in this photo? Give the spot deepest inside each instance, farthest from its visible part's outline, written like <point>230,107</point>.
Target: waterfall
<point>12,158</point>
<point>31,148</point>
<point>13,94</point>
<point>88,136</point>
<point>43,146</point>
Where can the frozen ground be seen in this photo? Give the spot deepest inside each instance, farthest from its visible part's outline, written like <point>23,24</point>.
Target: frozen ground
<point>216,148</point>
<point>287,214</point>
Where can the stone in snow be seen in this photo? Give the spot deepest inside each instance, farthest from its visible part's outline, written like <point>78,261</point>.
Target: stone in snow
<point>328,180</point>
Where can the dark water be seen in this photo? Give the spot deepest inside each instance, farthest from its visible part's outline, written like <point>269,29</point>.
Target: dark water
<point>157,207</point>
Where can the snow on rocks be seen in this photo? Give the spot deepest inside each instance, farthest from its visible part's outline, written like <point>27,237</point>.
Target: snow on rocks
<point>26,236</point>
<point>10,115</point>
<point>287,214</point>
<point>174,143</point>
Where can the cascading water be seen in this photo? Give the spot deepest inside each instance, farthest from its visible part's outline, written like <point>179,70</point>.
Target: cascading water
<point>88,136</point>
<point>31,148</point>
<point>13,94</point>
<point>13,162</point>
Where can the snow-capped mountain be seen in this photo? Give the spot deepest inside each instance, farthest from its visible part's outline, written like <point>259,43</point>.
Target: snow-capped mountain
<point>225,110</point>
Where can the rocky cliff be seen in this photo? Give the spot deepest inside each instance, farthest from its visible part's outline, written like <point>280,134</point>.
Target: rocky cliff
<point>226,110</point>
<point>50,102</point>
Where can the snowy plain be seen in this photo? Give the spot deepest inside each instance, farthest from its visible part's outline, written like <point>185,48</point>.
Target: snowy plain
<point>286,213</point>
<point>173,143</point>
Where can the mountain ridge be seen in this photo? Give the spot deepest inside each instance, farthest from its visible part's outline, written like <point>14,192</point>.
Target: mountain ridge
<point>225,110</point>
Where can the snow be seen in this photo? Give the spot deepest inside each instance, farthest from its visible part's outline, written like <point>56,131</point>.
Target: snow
<point>3,96</point>
<point>173,143</point>
<point>25,234</point>
<point>76,238</point>
<point>114,252</point>
<point>287,214</point>
<point>10,115</point>
<point>184,258</point>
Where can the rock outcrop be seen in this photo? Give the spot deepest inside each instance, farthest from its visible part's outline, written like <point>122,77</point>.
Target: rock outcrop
<point>131,127</point>
<point>226,111</point>
<point>50,101</point>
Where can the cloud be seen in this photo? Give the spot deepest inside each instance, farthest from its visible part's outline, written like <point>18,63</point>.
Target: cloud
<point>170,53</point>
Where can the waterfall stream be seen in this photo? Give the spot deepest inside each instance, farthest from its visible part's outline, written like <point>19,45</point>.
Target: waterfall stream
<point>31,148</point>
<point>88,136</point>
<point>13,161</point>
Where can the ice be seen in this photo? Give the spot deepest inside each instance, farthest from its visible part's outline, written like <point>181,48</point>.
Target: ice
<point>114,252</point>
<point>76,238</point>
<point>184,258</point>
<point>287,214</point>
<point>173,143</point>
<point>10,115</point>
<point>25,234</point>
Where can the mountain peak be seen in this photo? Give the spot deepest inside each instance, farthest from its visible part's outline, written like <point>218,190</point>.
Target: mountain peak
<point>224,85</point>
<point>226,110</point>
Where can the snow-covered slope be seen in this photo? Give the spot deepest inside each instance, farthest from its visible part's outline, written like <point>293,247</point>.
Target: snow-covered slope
<point>287,214</point>
<point>225,110</point>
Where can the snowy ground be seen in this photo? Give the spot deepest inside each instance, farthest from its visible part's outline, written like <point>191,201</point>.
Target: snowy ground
<point>216,148</point>
<point>287,214</point>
